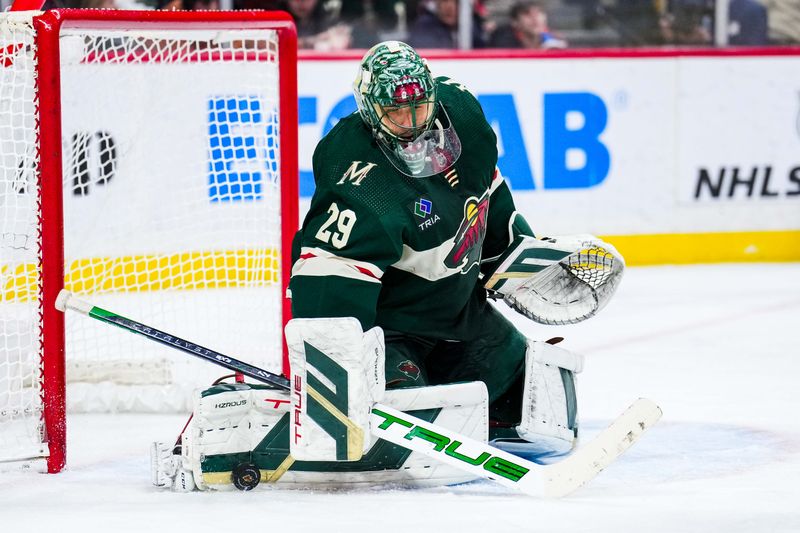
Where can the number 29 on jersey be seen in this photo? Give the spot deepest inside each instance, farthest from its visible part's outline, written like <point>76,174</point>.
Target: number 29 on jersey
<point>337,228</point>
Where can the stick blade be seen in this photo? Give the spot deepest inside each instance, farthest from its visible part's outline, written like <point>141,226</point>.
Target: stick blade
<point>586,462</point>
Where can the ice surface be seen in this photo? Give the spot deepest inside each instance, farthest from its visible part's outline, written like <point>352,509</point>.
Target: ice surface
<point>716,346</point>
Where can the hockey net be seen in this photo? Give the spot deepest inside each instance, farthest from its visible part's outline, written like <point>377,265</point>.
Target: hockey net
<point>176,132</point>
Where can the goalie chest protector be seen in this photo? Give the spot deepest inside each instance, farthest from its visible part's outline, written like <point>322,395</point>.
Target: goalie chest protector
<point>424,235</point>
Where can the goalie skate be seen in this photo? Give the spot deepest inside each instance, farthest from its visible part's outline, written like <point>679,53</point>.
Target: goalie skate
<point>163,464</point>
<point>167,470</point>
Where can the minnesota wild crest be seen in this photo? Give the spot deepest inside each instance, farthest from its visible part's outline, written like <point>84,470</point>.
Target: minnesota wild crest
<point>467,243</point>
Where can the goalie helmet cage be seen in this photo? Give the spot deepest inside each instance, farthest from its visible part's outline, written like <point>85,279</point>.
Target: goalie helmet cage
<point>143,158</point>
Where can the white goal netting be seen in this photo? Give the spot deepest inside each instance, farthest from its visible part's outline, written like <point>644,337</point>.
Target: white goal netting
<point>172,212</point>
<point>21,427</point>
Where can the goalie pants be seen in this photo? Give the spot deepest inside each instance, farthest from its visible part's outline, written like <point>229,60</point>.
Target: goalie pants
<point>496,356</point>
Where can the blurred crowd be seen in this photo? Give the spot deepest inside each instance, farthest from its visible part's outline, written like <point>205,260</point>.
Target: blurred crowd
<point>329,25</point>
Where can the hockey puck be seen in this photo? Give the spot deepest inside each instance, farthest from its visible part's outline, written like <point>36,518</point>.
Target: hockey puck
<point>246,476</point>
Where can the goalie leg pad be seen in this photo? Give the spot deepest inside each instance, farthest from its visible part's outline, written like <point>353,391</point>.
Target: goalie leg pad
<point>549,405</point>
<point>337,375</point>
<point>231,426</point>
<point>225,434</point>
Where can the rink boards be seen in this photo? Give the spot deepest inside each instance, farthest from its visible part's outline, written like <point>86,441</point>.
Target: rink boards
<point>681,157</point>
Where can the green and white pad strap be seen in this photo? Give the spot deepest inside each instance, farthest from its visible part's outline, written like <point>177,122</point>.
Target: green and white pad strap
<point>560,280</point>
<point>337,375</point>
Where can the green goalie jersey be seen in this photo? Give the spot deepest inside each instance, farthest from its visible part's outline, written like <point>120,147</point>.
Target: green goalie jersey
<point>399,252</point>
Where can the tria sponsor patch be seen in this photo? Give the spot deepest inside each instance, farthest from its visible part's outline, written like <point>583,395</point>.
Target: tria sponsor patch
<point>423,208</point>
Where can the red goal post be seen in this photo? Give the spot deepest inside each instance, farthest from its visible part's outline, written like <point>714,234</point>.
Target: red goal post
<point>153,162</point>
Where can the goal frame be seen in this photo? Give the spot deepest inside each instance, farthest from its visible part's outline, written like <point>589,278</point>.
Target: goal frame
<point>49,147</point>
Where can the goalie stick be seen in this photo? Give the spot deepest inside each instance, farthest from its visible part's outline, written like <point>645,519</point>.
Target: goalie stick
<point>478,458</point>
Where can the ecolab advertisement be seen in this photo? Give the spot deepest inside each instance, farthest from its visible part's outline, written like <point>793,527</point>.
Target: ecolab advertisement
<point>673,157</point>
<point>657,151</point>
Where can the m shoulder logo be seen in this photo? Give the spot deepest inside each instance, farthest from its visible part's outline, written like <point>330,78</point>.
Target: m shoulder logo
<point>355,174</point>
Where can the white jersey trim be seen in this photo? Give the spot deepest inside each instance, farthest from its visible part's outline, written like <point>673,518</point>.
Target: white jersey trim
<point>319,262</point>
<point>428,264</point>
<point>497,180</point>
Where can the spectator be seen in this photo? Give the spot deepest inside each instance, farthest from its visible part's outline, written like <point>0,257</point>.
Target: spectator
<point>201,5</point>
<point>784,21</point>
<point>315,30</point>
<point>97,4</point>
<point>50,4</point>
<point>689,23</point>
<point>169,5</point>
<point>638,22</point>
<point>527,29</point>
<point>268,5</point>
<point>437,27</point>
<point>747,23</point>
<point>378,15</point>
<point>365,18</point>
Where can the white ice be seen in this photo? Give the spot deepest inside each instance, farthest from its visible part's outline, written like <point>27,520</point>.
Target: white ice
<point>718,347</point>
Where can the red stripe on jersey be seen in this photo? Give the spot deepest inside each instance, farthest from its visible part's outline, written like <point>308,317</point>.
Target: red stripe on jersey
<point>365,271</point>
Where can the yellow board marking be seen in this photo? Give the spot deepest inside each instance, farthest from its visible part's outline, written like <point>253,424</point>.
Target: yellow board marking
<point>259,267</point>
<point>216,269</point>
<point>18,283</point>
<point>692,248</point>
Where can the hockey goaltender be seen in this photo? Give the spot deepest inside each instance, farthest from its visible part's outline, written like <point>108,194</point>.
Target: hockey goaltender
<point>411,231</point>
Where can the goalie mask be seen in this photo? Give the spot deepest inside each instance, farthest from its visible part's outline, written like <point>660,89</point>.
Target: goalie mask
<point>396,97</point>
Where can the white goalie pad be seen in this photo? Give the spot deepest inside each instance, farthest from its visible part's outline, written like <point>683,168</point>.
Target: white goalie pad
<point>235,423</point>
<point>227,419</point>
<point>337,375</point>
<point>560,280</point>
<point>549,406</point>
